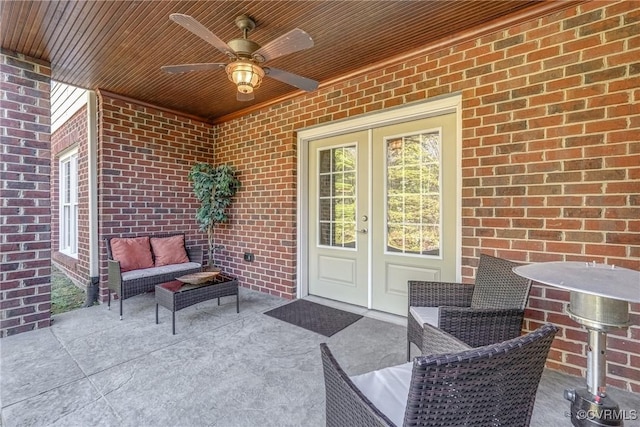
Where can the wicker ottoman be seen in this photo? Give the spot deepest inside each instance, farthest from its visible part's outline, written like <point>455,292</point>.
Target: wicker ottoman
<point>176,295</point>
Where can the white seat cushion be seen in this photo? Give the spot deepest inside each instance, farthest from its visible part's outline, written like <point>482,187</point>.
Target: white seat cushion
<point>424,315</point>
<point>154,271</point>
<point>387,389</point>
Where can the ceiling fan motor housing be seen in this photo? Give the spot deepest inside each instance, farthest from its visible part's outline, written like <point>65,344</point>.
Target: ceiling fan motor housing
<point>243,47</point>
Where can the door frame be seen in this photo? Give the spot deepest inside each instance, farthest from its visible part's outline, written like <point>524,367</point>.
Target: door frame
<point>415,111</point>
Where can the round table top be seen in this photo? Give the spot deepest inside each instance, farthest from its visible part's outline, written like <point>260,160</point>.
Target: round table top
<point>590,278</point>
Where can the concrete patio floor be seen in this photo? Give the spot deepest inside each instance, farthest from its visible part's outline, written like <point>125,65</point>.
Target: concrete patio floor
<point>221,369</point>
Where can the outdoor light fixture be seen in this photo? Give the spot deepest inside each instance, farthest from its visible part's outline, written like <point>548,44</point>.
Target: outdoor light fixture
<point>246,75</point>
<point>599,301</point>
<point>245,70</point>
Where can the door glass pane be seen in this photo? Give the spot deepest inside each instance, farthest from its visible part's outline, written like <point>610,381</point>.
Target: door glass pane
<point>325,185</point>
<point>413,194</point>
<point>325,161</point>
<point>337,197</point>
<point>325,210</point>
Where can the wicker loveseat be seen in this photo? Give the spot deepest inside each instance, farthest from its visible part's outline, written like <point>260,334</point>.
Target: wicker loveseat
<point>494,385</point>
<point>127,281</point>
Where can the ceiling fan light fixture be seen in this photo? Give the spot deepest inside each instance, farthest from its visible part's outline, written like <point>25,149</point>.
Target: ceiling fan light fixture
<point>246,75</point>
<point>246,55</point>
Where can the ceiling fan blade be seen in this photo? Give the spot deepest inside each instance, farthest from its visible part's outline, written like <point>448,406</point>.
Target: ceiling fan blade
<point>201,31</point>
<point>185,68</point>
<point>293,41</point>
<point>244,96</point>
<point>291,79</point>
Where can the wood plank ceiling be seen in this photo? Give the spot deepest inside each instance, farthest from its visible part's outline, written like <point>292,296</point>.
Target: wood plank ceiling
<point>119,46</point>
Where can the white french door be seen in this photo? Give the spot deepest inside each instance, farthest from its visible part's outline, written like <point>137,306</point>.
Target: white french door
<point>413,217</point>
<point>338,185</point>
<point>383,210</point>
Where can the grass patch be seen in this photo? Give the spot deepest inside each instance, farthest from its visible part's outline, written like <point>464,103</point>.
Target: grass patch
<point>65,296</point>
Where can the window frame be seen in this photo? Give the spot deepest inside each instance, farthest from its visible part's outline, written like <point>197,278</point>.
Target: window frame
<point>68,229</point>
<point>332,197</point>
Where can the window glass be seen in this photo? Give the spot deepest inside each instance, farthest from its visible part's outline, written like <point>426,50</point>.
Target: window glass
<point>68,240</point>
<point>337,197</point>
<point>413,194</point>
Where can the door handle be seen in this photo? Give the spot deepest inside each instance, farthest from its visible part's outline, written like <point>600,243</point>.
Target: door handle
<point>363,231</point>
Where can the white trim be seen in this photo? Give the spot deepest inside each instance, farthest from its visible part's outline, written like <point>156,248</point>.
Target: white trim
<point>459,189</point>
<point>407,113</point>
<point>302,219</point>
<point>391,116</point>
<point>369,210</point>
<point>92,173</point>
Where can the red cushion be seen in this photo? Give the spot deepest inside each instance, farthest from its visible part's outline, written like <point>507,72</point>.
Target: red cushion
<point>169,250</point>
<point>133,253</point>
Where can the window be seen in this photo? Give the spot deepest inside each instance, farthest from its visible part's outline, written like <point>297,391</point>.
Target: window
<point>69,204</point>
<point>413,194</point>
<point>337,197</point>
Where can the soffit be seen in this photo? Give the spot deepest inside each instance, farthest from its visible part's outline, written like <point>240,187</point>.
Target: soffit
<point>119,46</point>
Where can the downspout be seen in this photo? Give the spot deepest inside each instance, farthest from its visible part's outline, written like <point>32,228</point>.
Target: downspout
<point>92,173</point>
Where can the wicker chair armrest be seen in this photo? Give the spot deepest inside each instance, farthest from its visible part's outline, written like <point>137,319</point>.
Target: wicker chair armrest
<point>440,341</point>
<point>114,280</point>
<point>436,294</point>
<point>195,254</point>
<point>345,403</point>
<point>479,327</point>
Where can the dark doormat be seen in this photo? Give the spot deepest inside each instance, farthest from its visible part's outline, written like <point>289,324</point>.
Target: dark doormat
<point>314,317</point>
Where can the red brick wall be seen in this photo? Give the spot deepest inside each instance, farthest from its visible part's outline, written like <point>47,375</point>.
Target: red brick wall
<point>263,214</point>
<point>73,133</point>
<point>25,237</point>
<point>144,156</point>
<point>551,158</point>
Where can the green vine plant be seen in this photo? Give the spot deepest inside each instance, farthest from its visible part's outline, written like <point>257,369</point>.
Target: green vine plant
<point>214,187</point>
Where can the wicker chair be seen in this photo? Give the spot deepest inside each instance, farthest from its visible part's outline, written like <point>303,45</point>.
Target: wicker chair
<point>487,386</point>
<point>488,312</point>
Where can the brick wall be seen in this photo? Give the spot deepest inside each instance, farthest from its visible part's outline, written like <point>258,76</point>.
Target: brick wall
<point>25,240</point>
<point>144,156</point>
<point>263,214</point>
<point>73,133</point>
<point>551,158</point>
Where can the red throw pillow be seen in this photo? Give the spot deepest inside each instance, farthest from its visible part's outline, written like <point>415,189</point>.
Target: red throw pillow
<point>133,253</point>
<point>169,250</point>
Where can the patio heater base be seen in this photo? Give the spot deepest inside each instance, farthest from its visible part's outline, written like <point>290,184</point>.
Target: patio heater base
<point>588,410</point>
<point>597,314</point>
<point>599,301</point>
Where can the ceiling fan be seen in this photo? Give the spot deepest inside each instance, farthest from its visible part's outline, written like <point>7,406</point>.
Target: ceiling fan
<point>246,69</point>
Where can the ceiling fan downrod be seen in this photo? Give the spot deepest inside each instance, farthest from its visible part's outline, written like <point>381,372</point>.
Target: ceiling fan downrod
<point>244,47</point>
